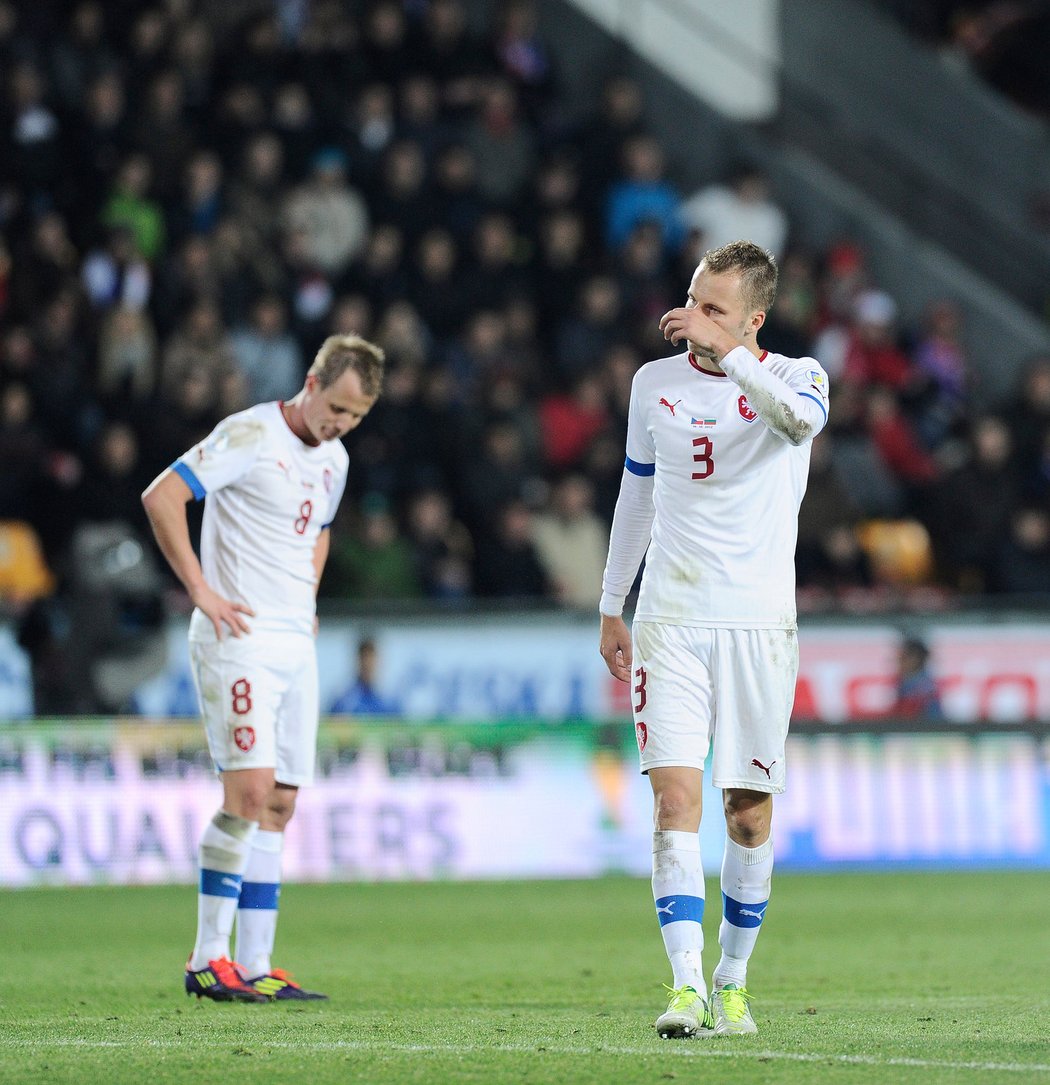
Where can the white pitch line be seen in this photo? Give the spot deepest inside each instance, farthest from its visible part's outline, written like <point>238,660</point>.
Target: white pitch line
<point>695,1049</point>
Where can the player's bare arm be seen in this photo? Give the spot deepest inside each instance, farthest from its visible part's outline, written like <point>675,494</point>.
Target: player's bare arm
<point>320,556</point>
<point>615,646</point>
<point>165,502</point>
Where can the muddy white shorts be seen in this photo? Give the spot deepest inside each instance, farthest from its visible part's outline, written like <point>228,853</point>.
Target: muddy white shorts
<point>259,702</point>
<point>727,690</point>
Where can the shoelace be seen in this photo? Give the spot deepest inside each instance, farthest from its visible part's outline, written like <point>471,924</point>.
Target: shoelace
<point>681,997</point>
<point>735,1005</point>
<point>227,973</point>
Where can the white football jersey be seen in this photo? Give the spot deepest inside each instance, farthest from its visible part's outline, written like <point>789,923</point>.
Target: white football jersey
<point>269,496</point>
<point>726,493</point>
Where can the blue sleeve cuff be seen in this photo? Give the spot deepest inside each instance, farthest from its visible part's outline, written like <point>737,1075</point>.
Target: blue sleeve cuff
<point>639,468</point>
<point>817,402</point>
<point>190,479</point>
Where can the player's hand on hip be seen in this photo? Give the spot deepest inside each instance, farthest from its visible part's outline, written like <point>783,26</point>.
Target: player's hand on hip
<point>222,611</point>
<point>615,646</point>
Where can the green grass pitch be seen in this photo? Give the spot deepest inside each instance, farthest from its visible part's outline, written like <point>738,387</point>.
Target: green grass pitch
<point>881,978</point>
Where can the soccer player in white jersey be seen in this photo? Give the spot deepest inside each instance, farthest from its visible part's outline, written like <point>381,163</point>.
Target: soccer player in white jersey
<point>272,477</point>
<point>717,459</point>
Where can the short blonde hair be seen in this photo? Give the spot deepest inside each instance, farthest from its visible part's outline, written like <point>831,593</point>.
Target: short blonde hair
<point>338,353</point>
<point>758,271</point>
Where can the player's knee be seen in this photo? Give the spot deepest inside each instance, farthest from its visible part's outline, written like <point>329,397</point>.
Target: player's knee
<point>676,807</point>
<point>279,807</point>
<point>748,816</point>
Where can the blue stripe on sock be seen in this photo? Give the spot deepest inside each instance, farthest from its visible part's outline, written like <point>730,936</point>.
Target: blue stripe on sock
<point>743,915</point>
<point>673,909</point>
<point>218,883</point>
<point>261,895</point>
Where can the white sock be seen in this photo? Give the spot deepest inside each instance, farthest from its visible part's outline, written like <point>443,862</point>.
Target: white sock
<point>678,889</point>
<point>223,855</point>
<point>257,911</point>
<point>747,874</point>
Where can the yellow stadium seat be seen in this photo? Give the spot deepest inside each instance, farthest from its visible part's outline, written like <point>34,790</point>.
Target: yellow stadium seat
<point>899,550</point>
<point>24,575</point>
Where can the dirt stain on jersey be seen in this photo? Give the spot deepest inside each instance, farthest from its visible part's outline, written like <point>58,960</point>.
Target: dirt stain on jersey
<point>243,432</point>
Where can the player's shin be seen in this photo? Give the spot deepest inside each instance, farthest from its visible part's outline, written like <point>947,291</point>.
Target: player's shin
<point>257,912</point>
<point>747,875</point>
<point>223,856</point>
<point>678,890</point>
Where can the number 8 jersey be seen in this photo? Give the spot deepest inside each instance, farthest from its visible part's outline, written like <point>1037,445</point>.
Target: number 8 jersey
<point>728,457</point>
<point>269,496</point>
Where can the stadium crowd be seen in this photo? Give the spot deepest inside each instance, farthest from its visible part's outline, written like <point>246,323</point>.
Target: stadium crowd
<point>192,198</point>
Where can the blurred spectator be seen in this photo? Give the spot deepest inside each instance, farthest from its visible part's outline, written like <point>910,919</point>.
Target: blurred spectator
<point>916,695</point>
<point>508,564</point>
<point>503,144</point>
<point>643,193</point>
<point>499,475</point>
<point>942,373</point>
<point>828,556</point>
<point>524,57</point>
<point>369,560</point>
<point>1029,413</point>
<point>437,285</point>
<point>116,274</point>
<point>459,200</point>
<point>200,345</point>
<point>329,215</point>
<point>200,203</point>
<point>570,422</point>
<point>444,550</point>
<point>872,353</point>
<point>33,138</point>
<point>572,543</point>
<point>127,356</point>
<point>402,193</point>
<point>740,208</point>
<point>898,444</point>
<point>363,697</point>
<point>1022,564</point>
<point>113,479</point>
<point>130,207</point>
<point>603,135</point>
<point>595,326</point>
<point>971,510</point>
<point>266,355</point>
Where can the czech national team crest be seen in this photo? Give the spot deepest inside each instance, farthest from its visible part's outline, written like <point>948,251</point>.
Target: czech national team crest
<point>744,407</point>
<point>643,735</point>
<point>244,736</point>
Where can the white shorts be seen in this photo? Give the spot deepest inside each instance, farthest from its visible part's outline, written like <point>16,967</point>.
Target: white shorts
<point>259,703</point>
<point>729,690</point>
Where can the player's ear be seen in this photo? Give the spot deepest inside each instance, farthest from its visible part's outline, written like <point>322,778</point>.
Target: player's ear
<point>758,318</point>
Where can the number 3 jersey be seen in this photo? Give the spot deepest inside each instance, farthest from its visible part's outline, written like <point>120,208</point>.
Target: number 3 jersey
<point>269,496</point>
<point>725,459</point>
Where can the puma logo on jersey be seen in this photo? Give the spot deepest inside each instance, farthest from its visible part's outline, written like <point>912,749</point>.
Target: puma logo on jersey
<point>758,764</point>
<point>670,406</point>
